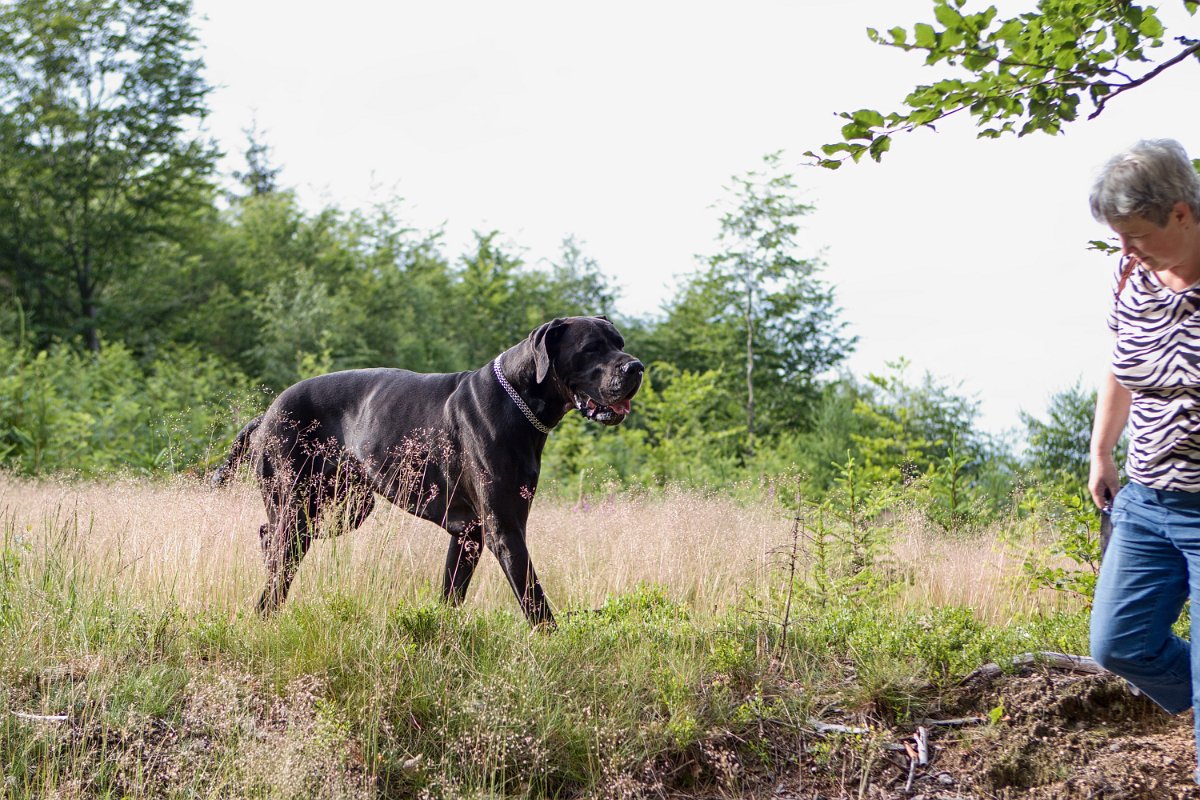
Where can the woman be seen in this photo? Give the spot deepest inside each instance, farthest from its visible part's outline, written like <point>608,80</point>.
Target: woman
<point>1150,197</point>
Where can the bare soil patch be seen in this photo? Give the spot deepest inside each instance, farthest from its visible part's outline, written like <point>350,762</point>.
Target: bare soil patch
<point>1058,737</point>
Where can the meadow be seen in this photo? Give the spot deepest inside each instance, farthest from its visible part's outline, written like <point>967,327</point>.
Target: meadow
<point>702,642</point>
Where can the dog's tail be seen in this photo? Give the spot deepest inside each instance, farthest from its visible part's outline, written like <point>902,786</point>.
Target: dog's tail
<point>237,452</point>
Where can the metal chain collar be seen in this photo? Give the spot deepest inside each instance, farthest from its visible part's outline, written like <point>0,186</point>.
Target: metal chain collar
<point>516,398</point>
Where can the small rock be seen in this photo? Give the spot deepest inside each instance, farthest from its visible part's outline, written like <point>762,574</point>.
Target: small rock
<point>945,779</point>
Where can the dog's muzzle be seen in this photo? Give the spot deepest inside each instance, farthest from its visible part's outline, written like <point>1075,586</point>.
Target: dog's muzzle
<point>627,380</point>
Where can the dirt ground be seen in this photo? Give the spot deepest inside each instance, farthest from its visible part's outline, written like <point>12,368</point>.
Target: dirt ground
<point>1056,736</point>
<point>1039,734</point>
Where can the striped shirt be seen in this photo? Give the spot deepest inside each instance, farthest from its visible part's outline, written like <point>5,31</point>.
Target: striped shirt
<point>1157,357</point>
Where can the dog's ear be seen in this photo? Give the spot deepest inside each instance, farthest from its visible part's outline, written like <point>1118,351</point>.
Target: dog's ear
<point>543,340</point>
<point>603,317</point>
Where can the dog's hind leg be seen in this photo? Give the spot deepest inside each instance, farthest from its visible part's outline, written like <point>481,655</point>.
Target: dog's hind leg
<point>466,546</point>
<point>284,546</point>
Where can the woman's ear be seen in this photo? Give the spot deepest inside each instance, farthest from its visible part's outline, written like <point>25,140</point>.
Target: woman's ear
<point>1182,212</point>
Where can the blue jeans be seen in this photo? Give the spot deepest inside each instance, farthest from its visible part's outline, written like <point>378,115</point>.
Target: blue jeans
<point>1151,566</point>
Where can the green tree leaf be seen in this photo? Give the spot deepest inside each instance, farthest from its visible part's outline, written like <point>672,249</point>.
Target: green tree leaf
<point>1024,73</point>
<point>924,35</point>
<point>947,15</point>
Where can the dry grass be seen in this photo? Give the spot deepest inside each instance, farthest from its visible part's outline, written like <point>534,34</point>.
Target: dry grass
<point>326,702</point>
<point>199,546</point>
<point>982,572</point>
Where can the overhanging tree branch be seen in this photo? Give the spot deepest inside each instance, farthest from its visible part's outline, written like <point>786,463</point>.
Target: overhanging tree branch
<point>1194,50</point>
<point>1028,73</point>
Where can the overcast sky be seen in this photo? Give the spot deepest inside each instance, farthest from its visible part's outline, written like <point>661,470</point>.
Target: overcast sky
<point>620,123</point>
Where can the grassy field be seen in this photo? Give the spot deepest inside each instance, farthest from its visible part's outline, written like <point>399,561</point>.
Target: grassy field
<point>131,663</point>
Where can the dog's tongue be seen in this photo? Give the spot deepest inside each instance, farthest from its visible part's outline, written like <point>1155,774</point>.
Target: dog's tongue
<point>622,406</point>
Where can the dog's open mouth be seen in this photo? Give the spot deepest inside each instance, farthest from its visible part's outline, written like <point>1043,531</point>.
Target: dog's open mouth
<point>607,415</point>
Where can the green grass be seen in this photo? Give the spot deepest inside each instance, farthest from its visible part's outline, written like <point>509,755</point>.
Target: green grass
<point>328,700</point>
<point>340,697</point>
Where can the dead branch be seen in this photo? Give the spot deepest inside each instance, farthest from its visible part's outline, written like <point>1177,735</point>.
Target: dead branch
<point>922,737</point>
<point>1059,661</point>
<point>40,717</point>
<point>825,728</point>
<point>961,722</point>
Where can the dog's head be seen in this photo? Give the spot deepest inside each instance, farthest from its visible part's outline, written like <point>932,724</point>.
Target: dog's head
<point>583,356</point>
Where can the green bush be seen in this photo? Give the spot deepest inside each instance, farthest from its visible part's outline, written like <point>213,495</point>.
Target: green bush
<point>94,414</point>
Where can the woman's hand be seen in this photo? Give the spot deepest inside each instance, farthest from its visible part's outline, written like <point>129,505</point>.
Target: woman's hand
<point>1112,411</point>
<point>1103,481</point>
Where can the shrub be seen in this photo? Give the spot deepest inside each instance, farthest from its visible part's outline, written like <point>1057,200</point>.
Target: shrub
<point>92,414</point>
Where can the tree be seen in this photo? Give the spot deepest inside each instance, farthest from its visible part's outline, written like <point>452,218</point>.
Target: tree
<point>487,291</point>
<point>259,177</point>
<point>576,286</point>
<point>1023,74</point>
<point>1058,450</point>
<point>906,429</point>
<point>281,291</point>
<point>99,100</point>
<point>923,436</point>
<point>759,308</point>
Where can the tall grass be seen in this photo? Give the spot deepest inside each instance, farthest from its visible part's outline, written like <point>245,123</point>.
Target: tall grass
<point>198,547</point>
<point>130,663</point>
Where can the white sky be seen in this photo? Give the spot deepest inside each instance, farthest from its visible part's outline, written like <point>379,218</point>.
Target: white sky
<point>620,123</point>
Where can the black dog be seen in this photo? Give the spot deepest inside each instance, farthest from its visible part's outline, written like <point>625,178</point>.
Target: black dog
<point>462,450</point>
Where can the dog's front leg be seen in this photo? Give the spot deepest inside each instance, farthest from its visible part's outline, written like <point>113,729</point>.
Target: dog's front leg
<point>466,546</point>
<point>508,545</point>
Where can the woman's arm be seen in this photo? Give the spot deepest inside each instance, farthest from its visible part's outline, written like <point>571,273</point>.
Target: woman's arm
<point>1112,412</point>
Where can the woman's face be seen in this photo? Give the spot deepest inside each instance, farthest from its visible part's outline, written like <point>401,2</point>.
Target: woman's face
<point>1157,248</point>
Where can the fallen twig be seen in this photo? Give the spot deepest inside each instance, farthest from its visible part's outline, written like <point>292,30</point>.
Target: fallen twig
<point>952,723</point>
<point>826,728</point>
<point>1059,661</point>
<point>41,717</point>
<point>922,737</point>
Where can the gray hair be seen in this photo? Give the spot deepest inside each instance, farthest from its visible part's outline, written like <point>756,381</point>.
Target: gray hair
<point>1147,180</point>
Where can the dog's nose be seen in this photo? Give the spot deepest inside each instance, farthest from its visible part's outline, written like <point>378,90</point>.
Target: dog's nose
<point>633,366</point>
